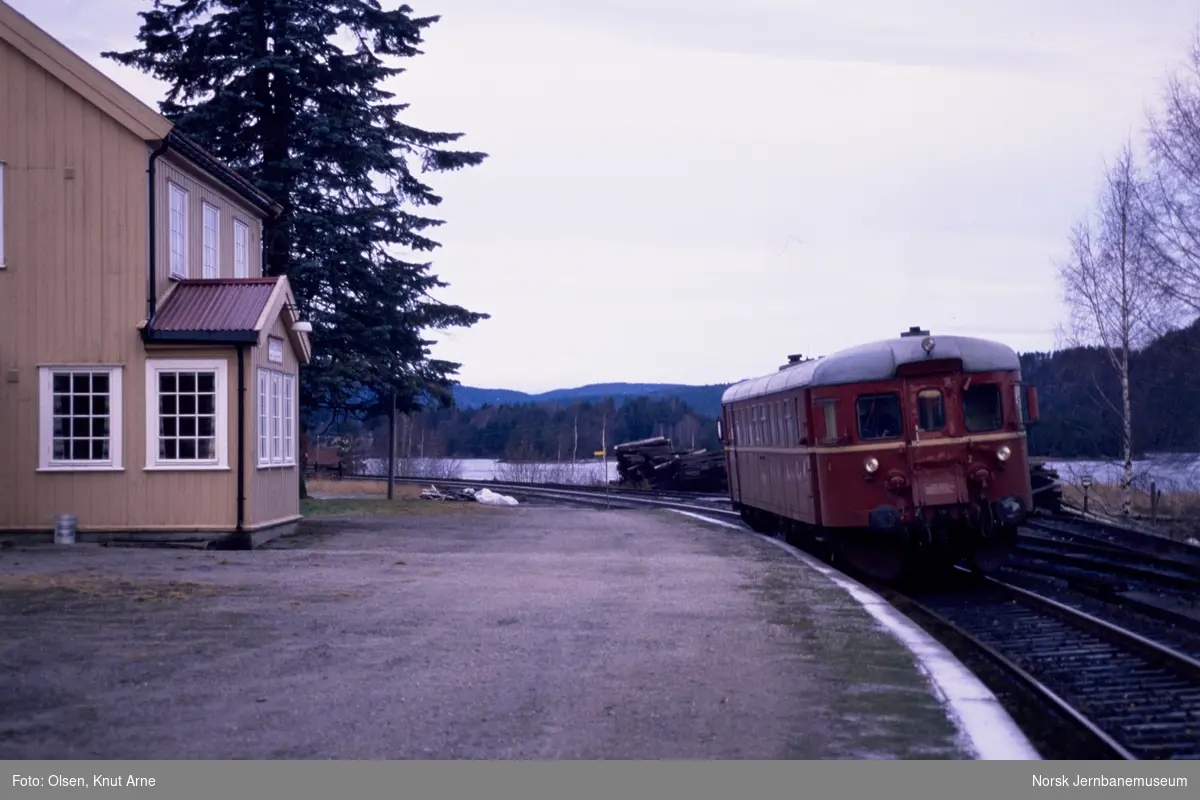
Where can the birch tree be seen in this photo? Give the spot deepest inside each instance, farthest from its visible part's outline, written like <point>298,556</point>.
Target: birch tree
<point>1174,190</point>
<point>1112,291</point>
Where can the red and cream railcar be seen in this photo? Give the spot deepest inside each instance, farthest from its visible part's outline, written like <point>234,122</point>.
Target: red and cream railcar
<point>897,456</point>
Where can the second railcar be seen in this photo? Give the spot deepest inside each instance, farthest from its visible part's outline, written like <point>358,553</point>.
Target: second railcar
<point>899,456</point>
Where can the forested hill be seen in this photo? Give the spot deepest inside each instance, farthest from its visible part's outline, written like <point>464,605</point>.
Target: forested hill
<point>1077,389</point>
<point>1079,398</point>
<point>705,400</point>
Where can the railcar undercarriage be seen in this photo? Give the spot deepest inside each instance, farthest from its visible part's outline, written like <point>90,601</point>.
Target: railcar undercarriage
<point>898,547</point>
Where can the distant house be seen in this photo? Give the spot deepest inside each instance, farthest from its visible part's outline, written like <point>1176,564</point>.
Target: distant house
<point>148,370</point>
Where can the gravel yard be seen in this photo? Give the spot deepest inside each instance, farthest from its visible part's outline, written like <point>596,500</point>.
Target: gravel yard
<point>476,632</point>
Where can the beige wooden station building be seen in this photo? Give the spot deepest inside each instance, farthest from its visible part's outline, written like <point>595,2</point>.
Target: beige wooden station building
<point>148,370</point>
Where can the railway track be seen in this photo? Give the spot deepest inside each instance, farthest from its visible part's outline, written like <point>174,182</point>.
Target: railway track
<point>1111,561</point>
<point>621,497</point>
<point>1138,698</point>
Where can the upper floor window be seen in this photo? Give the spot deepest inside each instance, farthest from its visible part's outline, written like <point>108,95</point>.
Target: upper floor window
<point>931,410</point>
<point>241,249</point>
<point>179,231</point>
<point>879,416</point>
<point>212,227</point>
<point>981,408</point>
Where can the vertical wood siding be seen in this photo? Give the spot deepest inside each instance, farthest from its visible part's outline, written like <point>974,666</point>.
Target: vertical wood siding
<point>76,238</point>
<point>171,168</point>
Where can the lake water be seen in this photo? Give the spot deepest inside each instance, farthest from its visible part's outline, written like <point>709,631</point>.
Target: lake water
<point>1171,472</point>
<point>486,469</point>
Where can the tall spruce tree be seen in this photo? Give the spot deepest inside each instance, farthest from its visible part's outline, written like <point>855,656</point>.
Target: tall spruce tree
<point>265,86</point>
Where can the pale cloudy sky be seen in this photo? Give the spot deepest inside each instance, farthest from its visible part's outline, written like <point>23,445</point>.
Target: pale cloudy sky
<point>687,190</point>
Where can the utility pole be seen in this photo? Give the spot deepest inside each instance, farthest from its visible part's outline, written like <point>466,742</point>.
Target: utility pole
<point>604,450</point>
<point>391,492</point>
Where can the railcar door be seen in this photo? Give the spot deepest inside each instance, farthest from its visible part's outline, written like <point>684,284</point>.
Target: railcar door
<point>729,440</point>
<point>937,474</point>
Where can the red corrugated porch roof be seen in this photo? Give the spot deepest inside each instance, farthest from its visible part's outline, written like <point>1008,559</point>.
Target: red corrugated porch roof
<point>215,306</point>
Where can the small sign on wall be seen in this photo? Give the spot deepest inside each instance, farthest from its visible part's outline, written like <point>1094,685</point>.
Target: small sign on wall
<point>275,350</point>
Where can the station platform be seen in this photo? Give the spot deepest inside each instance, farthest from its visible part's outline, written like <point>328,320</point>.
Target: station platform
<point>470,631</point>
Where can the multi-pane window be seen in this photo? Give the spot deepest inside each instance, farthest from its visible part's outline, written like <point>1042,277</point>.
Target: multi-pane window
<point>241,249</point>
<point>289,420</point>
<point>276,418</point>
<point>80,417</point>
<point>187,407</point>
<point>212,226</point>
<point>264,417</point>
<point>187,416</point>
<point>178,230</point>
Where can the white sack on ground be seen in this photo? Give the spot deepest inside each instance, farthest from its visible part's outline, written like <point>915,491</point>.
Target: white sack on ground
<point>493,499</point>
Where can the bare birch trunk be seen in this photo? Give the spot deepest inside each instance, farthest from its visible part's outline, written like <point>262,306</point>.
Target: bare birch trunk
<point>575,448</point>
<point>1126,438</point>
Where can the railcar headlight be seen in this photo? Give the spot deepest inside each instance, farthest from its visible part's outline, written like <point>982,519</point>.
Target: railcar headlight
<point>871,464</point>
<point>1003,452</point>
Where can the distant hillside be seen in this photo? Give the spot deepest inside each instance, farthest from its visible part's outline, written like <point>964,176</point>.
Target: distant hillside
<point>705,400</point>
<point>1076,390</point>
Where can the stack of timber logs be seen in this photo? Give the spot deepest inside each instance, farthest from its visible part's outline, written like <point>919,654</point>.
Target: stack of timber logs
<point>1047,491</point>
<point>653,464</point>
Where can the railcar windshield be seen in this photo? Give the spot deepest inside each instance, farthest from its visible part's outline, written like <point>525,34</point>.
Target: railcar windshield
<point>982,408</point>
<point>879,416</point>
<point>931,410</point>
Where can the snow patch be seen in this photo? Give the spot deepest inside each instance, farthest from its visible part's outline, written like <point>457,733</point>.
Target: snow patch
<point>493,499</point>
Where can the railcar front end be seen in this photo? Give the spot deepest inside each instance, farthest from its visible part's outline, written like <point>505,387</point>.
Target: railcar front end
<point>911,452</point>
<point>936,472</point>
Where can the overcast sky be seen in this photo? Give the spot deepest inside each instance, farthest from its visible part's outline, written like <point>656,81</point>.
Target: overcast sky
<point>687,191</point>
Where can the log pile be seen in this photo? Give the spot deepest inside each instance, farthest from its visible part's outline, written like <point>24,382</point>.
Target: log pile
<point>1047,491</point>
<point>654,464</point>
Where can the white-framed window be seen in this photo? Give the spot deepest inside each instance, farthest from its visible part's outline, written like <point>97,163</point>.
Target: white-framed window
<point>276,418</point>
<point>178,229</point>
<point>2,261</point>
<point>212,227</point>
<point>289,419</point>
<point>241,249</point>
<point>187,404</point>
<point>80,410</point>
<point>264,418</point>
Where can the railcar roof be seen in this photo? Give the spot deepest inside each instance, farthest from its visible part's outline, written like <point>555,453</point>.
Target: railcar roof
<point>877,361</point>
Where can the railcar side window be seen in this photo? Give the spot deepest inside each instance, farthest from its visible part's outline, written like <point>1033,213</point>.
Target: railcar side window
<point>931,410</point>
<point>829,409</point>
<point>981,408</point>
<point>879,416</point>
<point>789,425</point>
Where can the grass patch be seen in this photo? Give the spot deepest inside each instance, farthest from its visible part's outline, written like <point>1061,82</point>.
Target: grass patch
<point>1107,499</point>
<point>114,588</point>
<point>332,486</point>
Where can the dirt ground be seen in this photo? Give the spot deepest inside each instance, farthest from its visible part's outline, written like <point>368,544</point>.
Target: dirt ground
<point>488,633</point>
